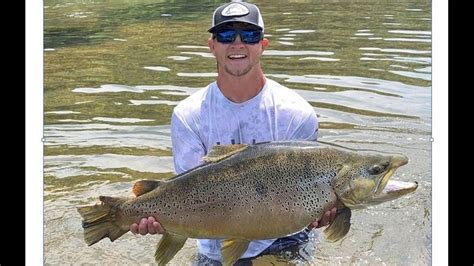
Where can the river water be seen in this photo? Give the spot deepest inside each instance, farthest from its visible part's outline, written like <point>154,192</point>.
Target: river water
<point>114,70</point>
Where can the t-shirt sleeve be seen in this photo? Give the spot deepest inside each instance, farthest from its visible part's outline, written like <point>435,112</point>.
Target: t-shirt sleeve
<point>188,149</point>
<point>307,128</point>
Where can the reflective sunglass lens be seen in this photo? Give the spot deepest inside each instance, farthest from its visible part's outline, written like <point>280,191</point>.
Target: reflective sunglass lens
<point>247,36</point>
<point>227,36</point>
<point>250,36</point>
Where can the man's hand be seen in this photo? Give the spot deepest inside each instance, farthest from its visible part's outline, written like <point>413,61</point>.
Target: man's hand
<point>147,226</point>
<point>327,218</point>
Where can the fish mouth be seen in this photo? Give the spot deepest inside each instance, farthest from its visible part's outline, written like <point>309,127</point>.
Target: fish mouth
<point>396,162</point>
<point>392,190</point>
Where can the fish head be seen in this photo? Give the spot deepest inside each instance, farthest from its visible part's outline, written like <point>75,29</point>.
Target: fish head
<point>364,176</point>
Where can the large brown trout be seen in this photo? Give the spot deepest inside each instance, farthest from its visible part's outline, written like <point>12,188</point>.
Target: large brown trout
<point>246,192</point>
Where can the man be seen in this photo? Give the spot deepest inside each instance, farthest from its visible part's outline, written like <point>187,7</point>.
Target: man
<point>242,106</point>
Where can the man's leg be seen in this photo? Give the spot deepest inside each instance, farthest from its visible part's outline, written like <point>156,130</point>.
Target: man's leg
<point>291,247</point>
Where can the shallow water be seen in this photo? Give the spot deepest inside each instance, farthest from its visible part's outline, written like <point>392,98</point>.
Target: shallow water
<point>114,70</point>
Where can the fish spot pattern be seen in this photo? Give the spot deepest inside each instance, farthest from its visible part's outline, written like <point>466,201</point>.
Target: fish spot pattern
<point>246,184</point>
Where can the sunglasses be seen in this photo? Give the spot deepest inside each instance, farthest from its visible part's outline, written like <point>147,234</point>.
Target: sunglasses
<point>247,36</point>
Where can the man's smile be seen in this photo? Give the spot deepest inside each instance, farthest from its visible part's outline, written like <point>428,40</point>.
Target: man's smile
<point>236,56</point>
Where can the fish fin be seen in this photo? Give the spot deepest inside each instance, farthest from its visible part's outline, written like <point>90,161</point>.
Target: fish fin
<point>340,226</point>
<point>102,220</point>
<point>168,246</point>
<point>232,250</point>
<point>143,186</point>
<point>220,152</point>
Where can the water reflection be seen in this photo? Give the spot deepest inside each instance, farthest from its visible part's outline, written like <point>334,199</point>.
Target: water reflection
<point>95,134</point>
<point>294,53</point>
<point>76,165</point>
<point>157,68</point>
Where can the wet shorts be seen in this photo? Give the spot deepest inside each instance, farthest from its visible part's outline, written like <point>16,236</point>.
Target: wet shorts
<point>287,248</point>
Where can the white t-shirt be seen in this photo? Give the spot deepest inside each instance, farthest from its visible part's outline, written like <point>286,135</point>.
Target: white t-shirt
<point>207,118</point>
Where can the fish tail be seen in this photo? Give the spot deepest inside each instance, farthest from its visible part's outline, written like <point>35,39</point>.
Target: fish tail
<point>102,220</point>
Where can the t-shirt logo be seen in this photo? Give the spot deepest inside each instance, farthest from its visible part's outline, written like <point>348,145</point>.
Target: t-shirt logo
<point>235,10</point>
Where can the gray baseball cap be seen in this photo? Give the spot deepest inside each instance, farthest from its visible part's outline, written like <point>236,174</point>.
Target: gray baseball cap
<point>237,11</point>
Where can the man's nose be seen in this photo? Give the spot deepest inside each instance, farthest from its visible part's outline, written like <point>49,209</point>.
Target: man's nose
<point>237,40</point>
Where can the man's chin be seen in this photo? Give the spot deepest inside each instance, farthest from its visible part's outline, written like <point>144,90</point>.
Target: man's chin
<point>237,72</point>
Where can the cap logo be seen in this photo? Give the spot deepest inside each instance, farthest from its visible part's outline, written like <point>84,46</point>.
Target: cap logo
<point>235,10</point>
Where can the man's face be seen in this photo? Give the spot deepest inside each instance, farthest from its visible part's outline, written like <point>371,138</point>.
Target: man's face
<point>237,58</point>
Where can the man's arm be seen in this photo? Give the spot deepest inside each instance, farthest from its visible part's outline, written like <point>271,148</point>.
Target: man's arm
<point>187,153</point>
<point>306,128</point>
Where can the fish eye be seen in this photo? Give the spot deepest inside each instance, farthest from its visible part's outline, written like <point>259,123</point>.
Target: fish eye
<point>375,170</point>
<point>378,168</point>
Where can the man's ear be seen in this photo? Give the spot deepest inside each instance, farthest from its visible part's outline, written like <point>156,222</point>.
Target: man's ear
<point>265,42</point>
<point>210,43</point>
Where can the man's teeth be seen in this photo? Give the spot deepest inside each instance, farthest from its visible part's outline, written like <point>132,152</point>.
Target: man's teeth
<point>237,56</point>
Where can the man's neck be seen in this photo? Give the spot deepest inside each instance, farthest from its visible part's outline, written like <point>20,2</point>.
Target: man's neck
<point>239,89</point>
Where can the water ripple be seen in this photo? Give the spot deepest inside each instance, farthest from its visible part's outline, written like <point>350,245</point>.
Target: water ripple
<point>294,53</point>
<point>62,166</point>
<point>88,135</point>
